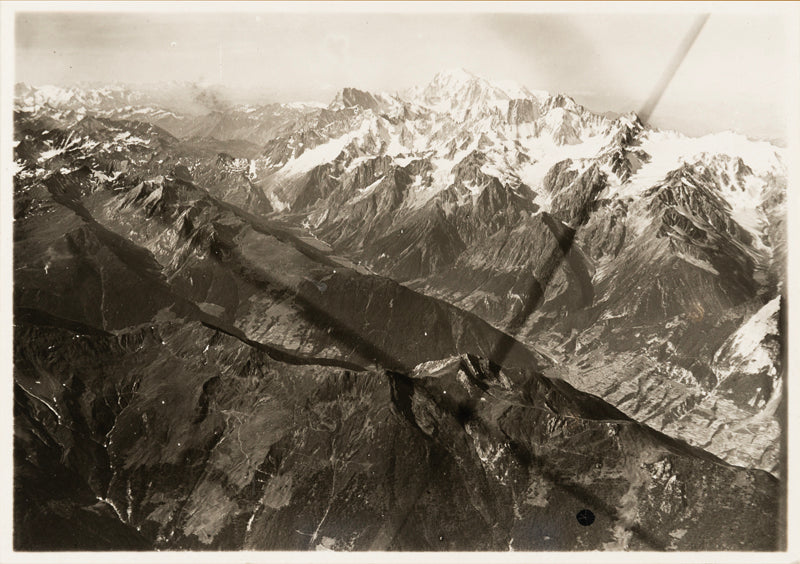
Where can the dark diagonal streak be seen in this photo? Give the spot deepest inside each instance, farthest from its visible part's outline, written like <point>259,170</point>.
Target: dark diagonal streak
<point>683,49</point>
<point>538,287</point>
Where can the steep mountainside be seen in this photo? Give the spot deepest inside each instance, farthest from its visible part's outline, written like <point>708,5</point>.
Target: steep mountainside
<point>196,440</point>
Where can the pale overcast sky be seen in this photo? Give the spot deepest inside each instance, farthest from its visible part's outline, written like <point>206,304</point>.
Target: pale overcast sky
<point>734,77</point>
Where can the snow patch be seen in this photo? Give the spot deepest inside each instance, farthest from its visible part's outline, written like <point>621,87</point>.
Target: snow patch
<point>698,263</point>
<point>327,152</point>
<point>367,190</point>
<point>50,153</point>
<point>745,350</point>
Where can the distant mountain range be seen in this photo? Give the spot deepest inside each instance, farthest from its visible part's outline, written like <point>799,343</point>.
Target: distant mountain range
<point>365,325</point>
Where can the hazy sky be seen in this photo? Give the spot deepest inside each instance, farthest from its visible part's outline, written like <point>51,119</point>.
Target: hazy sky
<point>734,77</point>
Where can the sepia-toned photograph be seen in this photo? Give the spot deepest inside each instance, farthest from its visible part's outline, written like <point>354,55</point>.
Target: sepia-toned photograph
<point>397,277</point>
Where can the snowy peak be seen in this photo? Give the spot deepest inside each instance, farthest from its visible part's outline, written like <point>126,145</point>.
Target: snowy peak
<point>459,91</point>
<point>454,75</point>
<point>456,80</point>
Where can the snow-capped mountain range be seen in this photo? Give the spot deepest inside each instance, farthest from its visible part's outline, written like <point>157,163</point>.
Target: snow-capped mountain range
<point>372,324</point>
<point>546,219</point>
